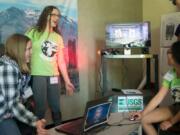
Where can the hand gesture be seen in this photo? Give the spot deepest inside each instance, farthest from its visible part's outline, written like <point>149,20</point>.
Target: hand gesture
<point>40,125</point>
<point>165,125</point>
<point>69,88</point>
<point>136,115</point>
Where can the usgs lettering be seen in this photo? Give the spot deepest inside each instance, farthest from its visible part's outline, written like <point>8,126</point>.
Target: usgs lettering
<point>130,103</point>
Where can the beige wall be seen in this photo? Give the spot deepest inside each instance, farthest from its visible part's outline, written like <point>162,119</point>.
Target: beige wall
<point>95,15</point>
<point>92,19</point>
<point>152,11</point>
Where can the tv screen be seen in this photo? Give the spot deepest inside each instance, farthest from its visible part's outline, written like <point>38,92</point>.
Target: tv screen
<point>128,35</point>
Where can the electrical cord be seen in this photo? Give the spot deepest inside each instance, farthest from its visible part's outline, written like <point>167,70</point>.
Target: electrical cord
<point>100,73</point>
<point>99,68</point>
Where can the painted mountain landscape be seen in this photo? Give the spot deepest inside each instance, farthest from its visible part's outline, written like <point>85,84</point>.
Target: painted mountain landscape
<point>14,19</point>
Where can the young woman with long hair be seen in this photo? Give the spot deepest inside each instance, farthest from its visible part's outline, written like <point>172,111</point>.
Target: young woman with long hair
<point>47,61</point>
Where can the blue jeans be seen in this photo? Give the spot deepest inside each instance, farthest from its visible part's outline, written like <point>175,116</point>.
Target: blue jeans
<point>44,91</point>
<point>9,127</point>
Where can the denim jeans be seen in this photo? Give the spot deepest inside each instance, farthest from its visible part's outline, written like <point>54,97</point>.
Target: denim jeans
<point>9,127</point>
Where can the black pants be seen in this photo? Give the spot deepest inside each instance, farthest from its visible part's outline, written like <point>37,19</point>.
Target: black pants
<point>44,91</point>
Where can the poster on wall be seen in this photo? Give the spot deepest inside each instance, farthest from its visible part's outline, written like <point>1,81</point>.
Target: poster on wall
<point>19,15</point>
<point>169,23</point>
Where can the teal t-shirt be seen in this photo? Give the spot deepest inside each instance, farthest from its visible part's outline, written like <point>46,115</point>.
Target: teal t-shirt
<point>45,52</point>
<point>172,82</point>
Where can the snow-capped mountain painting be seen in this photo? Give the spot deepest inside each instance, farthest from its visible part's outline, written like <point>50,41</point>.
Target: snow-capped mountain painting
<point>18,15</point>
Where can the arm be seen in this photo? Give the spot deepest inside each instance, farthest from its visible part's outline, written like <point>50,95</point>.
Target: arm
<point>155,101</point>
<point>12,94</point>
<point>175,119</point>
<point>62,66</point>
<point>16,108</point>
<point>169,123</point>
<point>22,114</point>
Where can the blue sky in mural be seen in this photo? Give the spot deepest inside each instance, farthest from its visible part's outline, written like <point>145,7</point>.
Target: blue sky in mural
<point>67,7</point>
<point>28,12</point>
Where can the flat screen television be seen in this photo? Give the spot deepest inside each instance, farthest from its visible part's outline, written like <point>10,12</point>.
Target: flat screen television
<point>128,35</point>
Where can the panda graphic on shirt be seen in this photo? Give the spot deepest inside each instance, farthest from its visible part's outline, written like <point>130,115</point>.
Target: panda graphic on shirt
<point>49,48</point>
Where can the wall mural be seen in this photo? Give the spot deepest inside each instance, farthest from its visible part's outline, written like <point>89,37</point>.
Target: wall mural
<point>19,15</point>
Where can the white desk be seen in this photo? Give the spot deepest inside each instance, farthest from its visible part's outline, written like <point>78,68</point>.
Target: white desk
<point>115,119</point>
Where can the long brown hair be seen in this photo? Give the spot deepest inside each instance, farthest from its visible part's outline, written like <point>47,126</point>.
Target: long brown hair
<point>43,18</point>
<point>15,48</point>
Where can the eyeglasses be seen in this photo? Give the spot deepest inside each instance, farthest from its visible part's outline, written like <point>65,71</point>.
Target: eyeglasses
<point>57,15</point>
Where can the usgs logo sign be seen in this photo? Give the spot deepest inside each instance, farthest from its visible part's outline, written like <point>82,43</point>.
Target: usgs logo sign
<point>130,103</point>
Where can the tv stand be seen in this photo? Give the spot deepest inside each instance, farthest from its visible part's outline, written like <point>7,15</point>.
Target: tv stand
<point>148,58</point>
<point>127,50</point>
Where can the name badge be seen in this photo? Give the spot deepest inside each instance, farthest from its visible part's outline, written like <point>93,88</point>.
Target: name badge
<point>168,76</point>
<point>27,93</point>
<point>53,80</point>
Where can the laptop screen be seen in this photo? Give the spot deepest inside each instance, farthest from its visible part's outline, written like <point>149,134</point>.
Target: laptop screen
<point>97,115</point>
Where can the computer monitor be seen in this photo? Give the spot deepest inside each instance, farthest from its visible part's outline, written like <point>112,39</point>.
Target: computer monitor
<point>128,35</point>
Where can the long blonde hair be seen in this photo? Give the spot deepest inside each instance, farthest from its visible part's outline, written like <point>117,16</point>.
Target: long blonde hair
<point>15,48</point>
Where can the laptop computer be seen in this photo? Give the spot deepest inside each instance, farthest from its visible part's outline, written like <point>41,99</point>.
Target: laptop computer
<point>96,114</point>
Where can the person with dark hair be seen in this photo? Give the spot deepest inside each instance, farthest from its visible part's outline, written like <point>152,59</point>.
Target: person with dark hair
<point>176,2</point>
<point>46,62</point>
<point>13,64</point>
<point>171,81</point>
<point>177,32</point>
